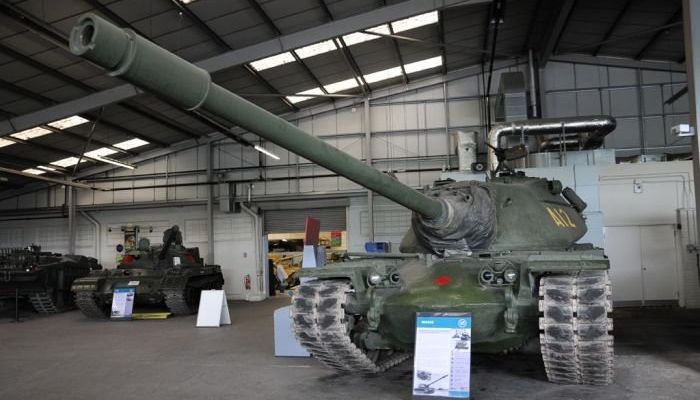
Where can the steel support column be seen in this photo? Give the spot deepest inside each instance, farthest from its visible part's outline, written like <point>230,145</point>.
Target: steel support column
<point>70,205</point>
<point>368,158</point>
<point>691,30</point>
<point>210,204</point>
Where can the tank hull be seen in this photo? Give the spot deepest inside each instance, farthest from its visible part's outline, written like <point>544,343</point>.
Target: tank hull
<point>152,287</point>
<point>45,280</point>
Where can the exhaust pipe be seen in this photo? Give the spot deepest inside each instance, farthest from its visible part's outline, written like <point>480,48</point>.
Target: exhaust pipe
<point>592,131</point>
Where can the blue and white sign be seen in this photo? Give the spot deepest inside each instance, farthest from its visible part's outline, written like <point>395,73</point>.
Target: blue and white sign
<point>123,302</point>
<point>442,361</point>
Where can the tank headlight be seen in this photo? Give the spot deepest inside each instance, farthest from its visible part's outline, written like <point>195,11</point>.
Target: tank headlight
<point>375,279</point>
<point>510,276</point>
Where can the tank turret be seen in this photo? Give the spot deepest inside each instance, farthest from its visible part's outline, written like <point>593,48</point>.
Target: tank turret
<point>504,250</point>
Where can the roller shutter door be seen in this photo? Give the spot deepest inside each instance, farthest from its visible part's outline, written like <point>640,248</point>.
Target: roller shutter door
<point>287,221</point>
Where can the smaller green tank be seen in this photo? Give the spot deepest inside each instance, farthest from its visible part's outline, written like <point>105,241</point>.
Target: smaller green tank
<point>169,274</point>
<point>43,278</point>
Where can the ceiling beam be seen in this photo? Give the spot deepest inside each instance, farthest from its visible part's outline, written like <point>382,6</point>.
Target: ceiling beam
<point>531,27</point>
<point>397,51</point>
<point>244,55</point>
<point>224,45</point>
<point>45,100</point>
<point>677,17</point>
<point>347,55</point>
<point>273,27</point>
<point>46,32</point>
<point>441,37</point>
<point>612,27</point>
<point>559,24</point>
<point>74,82</point>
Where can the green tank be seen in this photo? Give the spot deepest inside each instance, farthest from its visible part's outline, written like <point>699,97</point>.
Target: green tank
<point>169,274</point>
<point>504,250</point>
<point>43,278</point>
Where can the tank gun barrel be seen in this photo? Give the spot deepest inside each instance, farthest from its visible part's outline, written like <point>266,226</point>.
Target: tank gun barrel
<point>144,64</point>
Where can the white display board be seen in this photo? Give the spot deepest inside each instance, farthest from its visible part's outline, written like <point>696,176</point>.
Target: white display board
<point>213,309</point>
<point>123,302</point>
<point>442,360</point>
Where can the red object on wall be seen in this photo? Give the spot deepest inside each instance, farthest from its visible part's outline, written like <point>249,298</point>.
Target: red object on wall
<point>312,227</point>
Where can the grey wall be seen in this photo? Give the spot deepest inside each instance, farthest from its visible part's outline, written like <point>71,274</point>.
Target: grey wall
<point>634,97</point>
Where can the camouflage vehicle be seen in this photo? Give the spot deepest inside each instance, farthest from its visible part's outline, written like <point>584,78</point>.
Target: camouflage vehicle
<point>504,250</point>
<point>43,278</point>
<point>169,274</point>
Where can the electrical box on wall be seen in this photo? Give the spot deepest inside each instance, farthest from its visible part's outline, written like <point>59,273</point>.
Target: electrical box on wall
<point>229,205</point>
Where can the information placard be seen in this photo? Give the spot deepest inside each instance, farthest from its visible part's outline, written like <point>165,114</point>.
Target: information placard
<point>442,360</point>
<point>123,303</point>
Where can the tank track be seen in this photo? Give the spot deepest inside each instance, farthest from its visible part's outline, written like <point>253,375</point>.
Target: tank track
<point>575,328</point>
<point>322,328</point>
<point>87,303</point>
<point>43,303</point>
<point>176,301</point>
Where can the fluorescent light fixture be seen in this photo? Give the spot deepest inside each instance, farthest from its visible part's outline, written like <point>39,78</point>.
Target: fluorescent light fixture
<point>423,64</point>
<point>359,37</point>
<point>31,133</point>
<point>267,153</point>
<point>188,1</point>
<point>316,49</point>
<point>340,86</point>
<point>131,144</point>
<point>45,168</point>
<point>383,75</point>
<point>34,171</point>
<point>300,96</point>
<point>272,61</point>
<point>69,122</point>
<point>101,152</point>
<point>115,162</point>
<point>403,25</point>
<point>67,162</point>
<point>5,142</point>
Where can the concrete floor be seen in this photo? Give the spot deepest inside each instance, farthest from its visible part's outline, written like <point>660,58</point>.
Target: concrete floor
<point>70,357</point>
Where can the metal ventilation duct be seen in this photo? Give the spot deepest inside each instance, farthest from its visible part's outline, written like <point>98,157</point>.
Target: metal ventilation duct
<point>589,132</point>
<point>511,103</point>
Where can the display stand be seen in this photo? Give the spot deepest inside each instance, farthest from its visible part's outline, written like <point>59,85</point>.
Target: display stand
<point>123,303</point>
<point>442,360</point>
<point>213,309</point>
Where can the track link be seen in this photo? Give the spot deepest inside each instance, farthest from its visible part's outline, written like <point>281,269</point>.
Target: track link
<point>87,303</point>
<point>322,327</point>
<point>43,303</point>
<point>576,328</point>
<point>176,301</point>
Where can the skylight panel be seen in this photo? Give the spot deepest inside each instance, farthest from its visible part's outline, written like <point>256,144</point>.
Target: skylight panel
<point>359,37</point>
<point>340,86</point>
<point>67,162</point>
<point>69,122</point>
<point>31,133</point>
<point>34,171</point>
<point>316,49</point>
<point>5,142</point>
<point>383,75</point>
<point>423,64</point>
<point>131,144</point>
<point>298,98</point>
<point>272,61</point>
<point>415,22</point>
<point>101,152</point>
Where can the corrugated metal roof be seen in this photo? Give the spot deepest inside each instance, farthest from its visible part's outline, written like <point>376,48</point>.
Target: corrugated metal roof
<point>216,26</point>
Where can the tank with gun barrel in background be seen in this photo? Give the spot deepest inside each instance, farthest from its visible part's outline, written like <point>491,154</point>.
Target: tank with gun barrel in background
<point>43,278</point>
<point>504,250</point>
<point>169,274</point>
